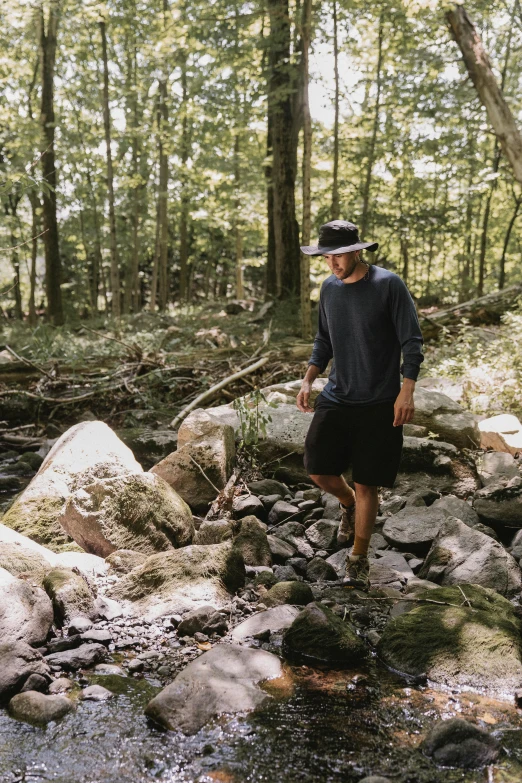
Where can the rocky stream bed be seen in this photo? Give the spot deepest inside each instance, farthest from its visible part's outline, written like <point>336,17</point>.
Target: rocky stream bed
<point>183,624</point>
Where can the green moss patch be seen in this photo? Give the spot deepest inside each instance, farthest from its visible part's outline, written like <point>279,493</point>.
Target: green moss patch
<point>320,634</point>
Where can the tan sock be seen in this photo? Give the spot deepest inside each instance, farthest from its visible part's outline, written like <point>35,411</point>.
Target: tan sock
<point>360,547</point>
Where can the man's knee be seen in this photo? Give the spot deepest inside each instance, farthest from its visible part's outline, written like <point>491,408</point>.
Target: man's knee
<point>366,489</point>
<point>324,481</point>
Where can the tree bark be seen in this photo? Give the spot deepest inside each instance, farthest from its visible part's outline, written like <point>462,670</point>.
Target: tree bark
<point>115,266</point>
<point>283,108</point>
<point>502,265</point>
<point>335,180</point>
<point>35,222</point>
<point>183,222</point>
<point>306,310</point>
<point>237,221</point>
<point>131,297</point>
<point>53,264</point>
<point>373,138</point>
<point>490,94</point>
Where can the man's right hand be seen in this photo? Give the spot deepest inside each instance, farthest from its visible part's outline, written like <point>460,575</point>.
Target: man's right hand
<point>303,398</point>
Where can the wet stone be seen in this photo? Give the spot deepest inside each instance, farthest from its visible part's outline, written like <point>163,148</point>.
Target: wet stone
<point>95,693</point>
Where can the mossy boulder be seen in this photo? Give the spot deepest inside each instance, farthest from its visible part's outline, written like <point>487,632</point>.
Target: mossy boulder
<point>214,531</point>
<point>476,646</point>
<point>86,452</point>
<point>70,594</point>
<point>297,593</point>
<point>319,634</point>
<point>174,581</point>
<point>138,511</point>
<point>252,542</point>
<point>26,613</point>
<point>18,560</point>
<point>457,743</point>
<point>124,560</point>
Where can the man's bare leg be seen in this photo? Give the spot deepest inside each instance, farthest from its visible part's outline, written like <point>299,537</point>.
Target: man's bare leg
<point>365,516</point>
<point>337,486</point>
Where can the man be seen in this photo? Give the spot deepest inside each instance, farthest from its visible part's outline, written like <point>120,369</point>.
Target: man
<point>366,317</point>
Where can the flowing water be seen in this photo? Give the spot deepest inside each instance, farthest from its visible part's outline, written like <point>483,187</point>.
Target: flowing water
<point>335,726</point>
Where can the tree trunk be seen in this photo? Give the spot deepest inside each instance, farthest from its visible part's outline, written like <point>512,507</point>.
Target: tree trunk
<point>335,182</point>
<point>271,282</point>
<point>306,311</point>
<point>53,264</point>
<point>237,221</point>
<point>479,69</point>
<point>131,296</point>
<point>373,139</point>
<point>502,266</point>
<point>283,109</point>
<point>183,222</point>
<point>163,197</point>
<point>115,267</point>
<point>35,222</point>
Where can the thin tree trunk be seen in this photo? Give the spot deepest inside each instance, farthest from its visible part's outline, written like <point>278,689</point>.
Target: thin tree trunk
<point>115,266</point>
<point>237,221</point>
<point>163,198</point>
<point>35,206</point>
<point>271,281</point>
<point>53,264</point>
<point>306,311</point>
<point>502,266</point>
<point>482,76</point>
<point>131,296</point>
<point>283,108</point>
<point>373,140</point>
<point>335,182</point>
<point>156,263</point>
<point>184,215</point>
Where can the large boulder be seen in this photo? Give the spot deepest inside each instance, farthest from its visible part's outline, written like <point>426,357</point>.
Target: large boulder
<point>456,507</point>
<point>214,531</point>
<point>139,511</point>
<point>294,592</point>
<point>79,658</point>
<point>446,469</point>
<point>38,709</point>
<point>495,466</point>
<point>439,413</point>
<point>414,528</point>
<point>253,543</point>
<point>19,560</point>
<point>271,621</point>
<point>457,743</point>
<point>500,503</point>
<point>319,634</point>
<point>224,680</point>
<point>147,444</point>
<point>173,582</point>
<point>462,554</point>
<point>202,465</point>
<point>474,646</point>
<point>86,452</point>
<point>26,613</point>
<point>71,595</point>
<point>18,661</point>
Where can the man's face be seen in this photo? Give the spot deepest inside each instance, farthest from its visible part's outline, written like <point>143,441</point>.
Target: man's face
<point>342,265</point>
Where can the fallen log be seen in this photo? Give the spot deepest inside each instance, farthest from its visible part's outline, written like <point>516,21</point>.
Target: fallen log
<point>483,310</point>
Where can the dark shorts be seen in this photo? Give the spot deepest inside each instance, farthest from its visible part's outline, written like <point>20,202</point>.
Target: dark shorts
<point>362,436</point>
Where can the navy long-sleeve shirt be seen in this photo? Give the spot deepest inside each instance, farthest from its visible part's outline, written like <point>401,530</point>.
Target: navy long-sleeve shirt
<point>364,326</point>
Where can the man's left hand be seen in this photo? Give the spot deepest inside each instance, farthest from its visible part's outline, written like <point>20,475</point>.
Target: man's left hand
<point>404,407</point>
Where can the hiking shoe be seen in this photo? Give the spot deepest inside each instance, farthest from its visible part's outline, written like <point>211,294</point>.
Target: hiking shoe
<point>357,572</point>
<point>346,530</point>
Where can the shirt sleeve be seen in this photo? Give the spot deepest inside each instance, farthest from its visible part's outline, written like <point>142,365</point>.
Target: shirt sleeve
<point>407,328</point>
<point>322,351</point>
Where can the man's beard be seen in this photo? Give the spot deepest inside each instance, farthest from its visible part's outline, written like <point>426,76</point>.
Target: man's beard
<point>347,274</point>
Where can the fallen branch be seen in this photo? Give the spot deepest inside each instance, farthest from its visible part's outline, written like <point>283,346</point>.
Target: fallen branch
<point>418,601</point>
<point>213,389</point>
<point>204,474</point>
<point>28,362</point>
<point>223,502</point>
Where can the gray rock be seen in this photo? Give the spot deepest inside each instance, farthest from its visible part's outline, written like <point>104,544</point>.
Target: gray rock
<point>78,625</point>
<point>35,682</point>
<point>392,505</point>
<point>331,506</point>
<point>440,414</point>
<point>95,693</point>
<point>223,680</point>
<point>383,575</point>
<point>457,743</point>
<point>33,707</point>
<point>135,665</point>
<point>214,531</point>
<point>318,570</point>
<point>497,465</point>
<point>81,658</point>
<point>296,593</point>
<point>109,669</point>
<point>461,554</point>
<point>251,541</point>
<point>456,507</point>
<point>415,499</point>
<point>293,533</point>
<point>124,560</point>
<point>17,662</point>
<point>499,503</point>
<point>414,529</point>
<point>338,561</point>
<point>398,562</point>
<point>269,500</point>
<point>322,534</point>
<point>320,634</point>
<point>195,620</point>
<point>298,564</point>
<point>279,549</point>
<point>244,505</point>
<point>272,620</point>
<point>70,593</point>
<point>267,487</point>
<point>97,635</point>
<point>61,685</point>
<point>26,613</point>
<point>282,510</point>
<point>284,573</point>
<point>375,778</point>
<point>62,643</point>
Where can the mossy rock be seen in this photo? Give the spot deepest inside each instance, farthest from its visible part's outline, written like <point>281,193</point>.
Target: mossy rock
<point>477,646</point>
<point>266,578</point>
<point>252,542</point>
<point>202,573</point>
<point>297,593</point>
<point>18,560</point>
<point>70,594</point>
<point>319,634</point>
<point>37,518</point>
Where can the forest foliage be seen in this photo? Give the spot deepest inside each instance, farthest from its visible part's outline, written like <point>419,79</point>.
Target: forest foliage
<point>186,96</point>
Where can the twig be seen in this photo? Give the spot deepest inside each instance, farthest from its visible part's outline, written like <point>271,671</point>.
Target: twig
<point>129,348</point>
<point>29,363</point>
<point>213,389</point>
<point>467,602</point>
<point>226,495</point>
<point>204,474</point>
<point>417,601</point>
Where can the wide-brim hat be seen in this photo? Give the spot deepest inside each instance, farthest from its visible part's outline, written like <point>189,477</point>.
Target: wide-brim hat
<point>338,236</point>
